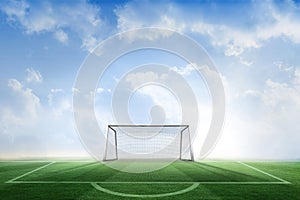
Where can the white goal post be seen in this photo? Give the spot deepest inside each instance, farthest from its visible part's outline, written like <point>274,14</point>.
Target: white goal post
<point>148,142</point>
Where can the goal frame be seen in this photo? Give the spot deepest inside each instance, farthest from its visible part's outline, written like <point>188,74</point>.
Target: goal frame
<point>183,128</point>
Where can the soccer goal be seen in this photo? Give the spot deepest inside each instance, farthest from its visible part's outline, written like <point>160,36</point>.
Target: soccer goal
<point>167,142</point>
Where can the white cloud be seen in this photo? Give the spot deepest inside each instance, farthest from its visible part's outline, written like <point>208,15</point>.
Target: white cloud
<point>283,66</point>
<point>33,76</point>
<point>15,84</point>
<point>166,100</point>
<point>171,23</point>
<point>266,128</point>
<point>59,102</point>
<point>279,99</point>
<point>29,127</point>
<point>24,108</point>
<point>184,71</point>
<point>80,17</point>
<point>252,93</point>
<point>158,94</point>
<point>297,77</point>
<point>261,122</point>
<point>100,90</point>
<point>167,15</point>
<point>54,90</point>
<point>282,95</point>
<point>15,9</point>
<point>279,95</point>
<point>136,14</point>
<point>136,79</point>
<point>284,25</point>
<point>83,19</point>
<point>61,36</point>
<point>52,93</point>
<point>89,43</point>
<point>246,62</point>
<point>235,40</point>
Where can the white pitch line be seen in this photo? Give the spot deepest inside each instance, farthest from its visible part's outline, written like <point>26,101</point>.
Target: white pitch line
<point>43,161</point>
<point>21,176</point>
<point>266,173</point>
<point>23,161</point>
<point>188,189</point>
<point>140,182</point>
<point>50,182</point>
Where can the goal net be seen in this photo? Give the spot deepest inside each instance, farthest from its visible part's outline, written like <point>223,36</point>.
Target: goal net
<point>169,142</point>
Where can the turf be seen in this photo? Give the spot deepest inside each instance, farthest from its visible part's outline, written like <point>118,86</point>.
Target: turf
<point>180,180</point>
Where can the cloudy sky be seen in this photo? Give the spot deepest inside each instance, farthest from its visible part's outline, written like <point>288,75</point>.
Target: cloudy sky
<point>255,46</point>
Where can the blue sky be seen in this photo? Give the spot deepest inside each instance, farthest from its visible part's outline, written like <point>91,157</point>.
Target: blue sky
<point>255,45</point>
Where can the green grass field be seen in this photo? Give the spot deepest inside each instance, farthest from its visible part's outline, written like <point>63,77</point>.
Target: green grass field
<point>180,180</point>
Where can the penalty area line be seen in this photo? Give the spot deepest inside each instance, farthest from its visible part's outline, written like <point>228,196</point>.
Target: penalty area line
<point>266,173</point>
<point>30,172</point>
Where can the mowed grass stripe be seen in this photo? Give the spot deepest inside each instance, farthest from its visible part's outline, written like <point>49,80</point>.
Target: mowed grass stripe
<point>76,183</point>
<point>176,172</point>
<point>152,182</point>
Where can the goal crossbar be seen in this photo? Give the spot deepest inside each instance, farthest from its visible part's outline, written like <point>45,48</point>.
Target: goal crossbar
<point>114,127</point>
<point>148,125</point>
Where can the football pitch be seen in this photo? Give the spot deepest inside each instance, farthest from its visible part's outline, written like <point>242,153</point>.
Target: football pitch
<point>180,180</point>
